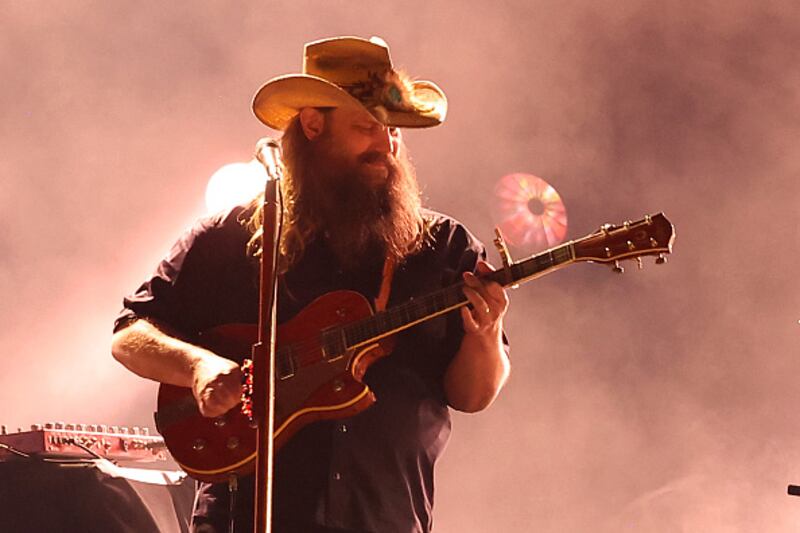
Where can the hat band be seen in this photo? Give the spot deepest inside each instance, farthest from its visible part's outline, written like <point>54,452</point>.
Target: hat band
<point>386,89</point>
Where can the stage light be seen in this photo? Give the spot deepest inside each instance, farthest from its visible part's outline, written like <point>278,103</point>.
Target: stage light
<point>234,184</point>
<point>529,211</point>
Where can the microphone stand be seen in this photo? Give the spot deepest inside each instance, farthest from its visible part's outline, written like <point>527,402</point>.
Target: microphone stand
<point>264,350</point>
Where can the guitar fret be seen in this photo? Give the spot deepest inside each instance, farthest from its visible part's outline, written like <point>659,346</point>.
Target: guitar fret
<point>380,321</point>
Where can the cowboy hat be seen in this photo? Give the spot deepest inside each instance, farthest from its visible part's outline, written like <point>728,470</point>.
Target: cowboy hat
<point>351,71</point>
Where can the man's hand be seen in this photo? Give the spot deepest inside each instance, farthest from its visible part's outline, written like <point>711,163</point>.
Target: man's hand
<point>154,353</point>
<point>489,304</point>
<point>216,385</point>
<point>480,368</point>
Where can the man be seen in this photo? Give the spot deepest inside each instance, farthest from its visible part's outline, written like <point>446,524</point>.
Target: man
<point>353,221</point>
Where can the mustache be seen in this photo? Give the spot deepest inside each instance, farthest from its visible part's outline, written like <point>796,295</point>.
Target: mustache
<point>373,157</point>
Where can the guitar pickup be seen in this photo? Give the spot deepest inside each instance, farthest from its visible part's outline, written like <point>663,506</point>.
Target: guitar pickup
<point>333,344</point>
<point>285,366</point>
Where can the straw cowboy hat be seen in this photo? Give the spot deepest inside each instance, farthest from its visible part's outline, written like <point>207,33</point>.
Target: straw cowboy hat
<point>351,71</point>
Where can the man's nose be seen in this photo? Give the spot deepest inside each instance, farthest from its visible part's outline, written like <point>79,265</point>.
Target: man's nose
<point>386,141</point>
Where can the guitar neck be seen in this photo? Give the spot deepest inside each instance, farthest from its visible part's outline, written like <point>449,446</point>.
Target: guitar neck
<point>651,236</point>
<point>420,309</point>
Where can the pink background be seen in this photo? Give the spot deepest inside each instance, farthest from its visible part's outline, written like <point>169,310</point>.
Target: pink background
<point>661,400</point>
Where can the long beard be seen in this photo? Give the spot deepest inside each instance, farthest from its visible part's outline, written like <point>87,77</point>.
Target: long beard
<point>360,217</point>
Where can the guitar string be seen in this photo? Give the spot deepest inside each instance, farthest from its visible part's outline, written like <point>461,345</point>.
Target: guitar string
<point>415,310</point>
<point>306,351</point>
<point>375,325</point>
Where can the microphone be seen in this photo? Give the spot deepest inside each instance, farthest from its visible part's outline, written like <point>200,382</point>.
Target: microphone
<point>268,152</point>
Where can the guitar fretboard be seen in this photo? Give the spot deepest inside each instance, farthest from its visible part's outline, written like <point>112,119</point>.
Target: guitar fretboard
<point>417,310</point>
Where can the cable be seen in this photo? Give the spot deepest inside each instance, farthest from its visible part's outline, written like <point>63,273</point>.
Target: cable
<point>233,488</point>
<point>14,451</point>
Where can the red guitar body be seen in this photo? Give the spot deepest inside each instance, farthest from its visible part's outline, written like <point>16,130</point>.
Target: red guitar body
<point>323,386</point>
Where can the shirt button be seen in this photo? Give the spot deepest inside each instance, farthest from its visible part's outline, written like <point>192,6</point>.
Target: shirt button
<point>337,476</point>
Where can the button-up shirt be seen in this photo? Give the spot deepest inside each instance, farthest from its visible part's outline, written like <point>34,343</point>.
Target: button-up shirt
<point>371,472</point>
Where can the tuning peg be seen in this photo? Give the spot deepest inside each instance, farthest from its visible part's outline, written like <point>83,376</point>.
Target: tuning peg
<point>661,259</point>
<point>617,268</point>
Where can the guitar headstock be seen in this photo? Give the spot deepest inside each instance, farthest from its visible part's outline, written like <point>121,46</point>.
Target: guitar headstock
<point>652,235</point>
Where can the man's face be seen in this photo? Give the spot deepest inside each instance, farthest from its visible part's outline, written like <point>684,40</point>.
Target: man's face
<point>351,181</point>
<point>359,146</point>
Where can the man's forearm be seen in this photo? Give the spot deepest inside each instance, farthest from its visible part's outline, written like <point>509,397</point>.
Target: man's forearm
<point>478,371</point>
<point>151,353</point>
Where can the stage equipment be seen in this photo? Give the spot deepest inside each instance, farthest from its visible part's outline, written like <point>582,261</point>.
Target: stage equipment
<point>262,403</point>
<point>39,494</point>
<point>529,211</point>
<point>56,439</point>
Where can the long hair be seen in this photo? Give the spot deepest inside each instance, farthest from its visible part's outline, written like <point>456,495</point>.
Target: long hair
<point>403,230</point>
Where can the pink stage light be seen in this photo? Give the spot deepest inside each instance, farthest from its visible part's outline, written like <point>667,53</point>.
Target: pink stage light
<point>529,211</point>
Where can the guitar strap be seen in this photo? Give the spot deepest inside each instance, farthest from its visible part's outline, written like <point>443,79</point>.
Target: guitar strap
<point>386,284</point>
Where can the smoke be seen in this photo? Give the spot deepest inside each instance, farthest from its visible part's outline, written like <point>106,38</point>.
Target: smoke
<point>659,400</point>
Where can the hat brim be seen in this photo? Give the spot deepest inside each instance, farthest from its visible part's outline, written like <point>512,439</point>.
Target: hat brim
<point>279,100</point>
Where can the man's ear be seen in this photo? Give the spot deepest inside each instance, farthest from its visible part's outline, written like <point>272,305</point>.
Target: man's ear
<point>312,121</point>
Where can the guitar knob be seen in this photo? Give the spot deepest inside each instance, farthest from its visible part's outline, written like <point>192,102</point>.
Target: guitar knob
<point>233,443</point>
<point>661,259</point>
<point>199,445</point>
<point>617,268</point>
<point>219,422</point>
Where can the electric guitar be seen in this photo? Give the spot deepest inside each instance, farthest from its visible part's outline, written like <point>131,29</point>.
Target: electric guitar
<point>323,352</point>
